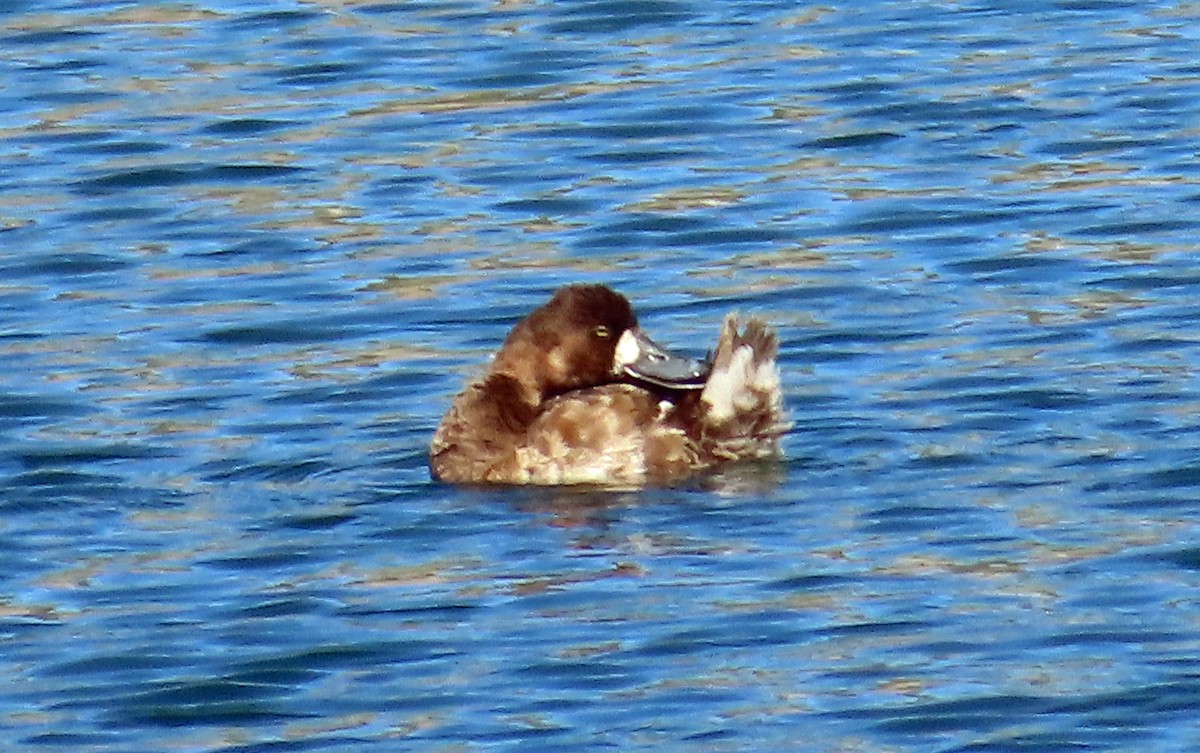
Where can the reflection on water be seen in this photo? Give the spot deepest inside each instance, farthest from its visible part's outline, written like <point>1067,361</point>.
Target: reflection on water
<point>248,254</point>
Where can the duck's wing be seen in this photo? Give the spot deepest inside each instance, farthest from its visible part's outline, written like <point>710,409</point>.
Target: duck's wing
<point>741,405</point>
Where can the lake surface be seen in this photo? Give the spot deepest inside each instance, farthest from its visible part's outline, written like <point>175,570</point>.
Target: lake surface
<point>250,251</point>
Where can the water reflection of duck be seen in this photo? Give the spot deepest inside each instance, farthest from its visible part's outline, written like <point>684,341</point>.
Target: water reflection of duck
<point>578,395</point>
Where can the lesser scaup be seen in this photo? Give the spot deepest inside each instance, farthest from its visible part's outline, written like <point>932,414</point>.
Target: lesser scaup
<point>578,394</point>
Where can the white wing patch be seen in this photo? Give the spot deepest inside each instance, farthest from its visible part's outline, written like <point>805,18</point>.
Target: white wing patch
<point>741,385</point>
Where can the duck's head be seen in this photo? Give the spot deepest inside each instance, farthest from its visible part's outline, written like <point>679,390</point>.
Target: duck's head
<point>588,335</point>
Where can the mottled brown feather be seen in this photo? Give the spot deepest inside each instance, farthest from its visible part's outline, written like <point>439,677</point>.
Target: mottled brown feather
<point>551,410</point>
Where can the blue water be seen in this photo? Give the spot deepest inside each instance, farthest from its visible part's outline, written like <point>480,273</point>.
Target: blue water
<point>249,252</point>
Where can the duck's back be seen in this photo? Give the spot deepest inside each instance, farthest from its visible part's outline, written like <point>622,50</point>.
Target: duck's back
<point>618,434</point>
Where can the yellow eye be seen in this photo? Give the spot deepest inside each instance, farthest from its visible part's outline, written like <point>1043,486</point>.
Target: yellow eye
<point>601,331</point>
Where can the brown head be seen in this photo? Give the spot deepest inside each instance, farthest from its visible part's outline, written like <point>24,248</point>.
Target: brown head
<point>569,343</point>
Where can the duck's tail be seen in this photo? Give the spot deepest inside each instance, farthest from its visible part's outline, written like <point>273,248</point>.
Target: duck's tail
<point>741,405</point>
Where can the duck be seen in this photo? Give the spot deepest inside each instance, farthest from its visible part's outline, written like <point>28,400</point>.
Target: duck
<point>578,394</point>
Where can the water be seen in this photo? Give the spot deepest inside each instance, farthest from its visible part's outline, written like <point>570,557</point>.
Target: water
<point>249,252</point>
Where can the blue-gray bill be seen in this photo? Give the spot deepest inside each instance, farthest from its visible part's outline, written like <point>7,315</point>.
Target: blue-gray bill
<point>658,366</point>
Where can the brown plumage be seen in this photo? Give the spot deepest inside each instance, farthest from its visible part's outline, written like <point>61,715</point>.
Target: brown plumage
<point>561,403</point>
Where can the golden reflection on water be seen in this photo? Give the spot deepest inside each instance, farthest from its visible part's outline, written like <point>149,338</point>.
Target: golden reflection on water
<point>684,199</point>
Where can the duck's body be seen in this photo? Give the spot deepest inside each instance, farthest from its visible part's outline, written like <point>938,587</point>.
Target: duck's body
<point>577,395</point>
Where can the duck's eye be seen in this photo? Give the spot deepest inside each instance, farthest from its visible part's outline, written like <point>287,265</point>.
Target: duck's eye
<point>602,331</point>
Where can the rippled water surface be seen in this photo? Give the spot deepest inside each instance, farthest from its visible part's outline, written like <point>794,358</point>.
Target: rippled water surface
<point>249,252</point>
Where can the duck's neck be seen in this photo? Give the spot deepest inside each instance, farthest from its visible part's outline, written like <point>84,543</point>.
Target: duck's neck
<point>513,402</point>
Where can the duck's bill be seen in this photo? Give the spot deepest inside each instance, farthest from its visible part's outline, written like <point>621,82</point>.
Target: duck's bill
<point>641,358</point>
